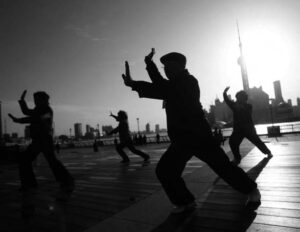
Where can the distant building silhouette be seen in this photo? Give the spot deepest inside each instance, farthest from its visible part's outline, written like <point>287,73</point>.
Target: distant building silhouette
<point>90,132</point>
<point>260,103</point>
<point>242,63</point>
<point>221,111</point>
<point>296,109</point>
<point>283,111</point>
<point>78,130</point>
<point>106,129</point>
<point>278,93</point>
<point>148,128</point>
<point>87,128</point>
<point>156,128</point>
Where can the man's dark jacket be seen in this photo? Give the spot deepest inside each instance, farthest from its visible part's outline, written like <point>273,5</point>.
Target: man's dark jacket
<point>185,117</point>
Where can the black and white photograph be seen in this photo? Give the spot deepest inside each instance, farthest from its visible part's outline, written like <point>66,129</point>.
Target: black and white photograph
<point>149,116</point>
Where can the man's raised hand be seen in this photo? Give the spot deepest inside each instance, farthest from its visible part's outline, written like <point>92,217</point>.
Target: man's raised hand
<point>126,77</point>
<point>149,57</point>
<point>22,98</point>
<point>226,89</point>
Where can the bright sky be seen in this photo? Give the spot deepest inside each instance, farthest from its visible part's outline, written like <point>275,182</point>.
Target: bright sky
<point>75,50</point>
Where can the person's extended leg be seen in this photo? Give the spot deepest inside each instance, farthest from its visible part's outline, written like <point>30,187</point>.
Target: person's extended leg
<point>60,172</point>
<point>235,141</point>
<point>254,138</point>
<point>137,152</point>
<point>217,159</point>
<point>169,170</point>
<point>26,173</point>
<point>58,169</point>
<point>121,152</point>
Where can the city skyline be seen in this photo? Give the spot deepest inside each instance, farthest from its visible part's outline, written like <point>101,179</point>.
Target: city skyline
<point>77,132</point>
<point>76,52</point>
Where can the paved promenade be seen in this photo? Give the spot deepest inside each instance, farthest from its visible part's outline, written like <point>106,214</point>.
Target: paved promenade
<point>110,196</point>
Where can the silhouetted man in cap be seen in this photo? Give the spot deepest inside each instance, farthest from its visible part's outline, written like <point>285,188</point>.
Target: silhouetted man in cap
<point>41,119</point>
<point>243,126</point>
<point>189,132</point>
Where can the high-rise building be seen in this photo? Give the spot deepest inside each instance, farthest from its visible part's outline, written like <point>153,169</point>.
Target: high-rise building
<point>78,130</point>
<point>148,127</point>
<point>278,93</point>
<point>98,130</point>
<point>87,128</point>
<point>242,64</point>
<point>107,129</point>
<point>157,128</point>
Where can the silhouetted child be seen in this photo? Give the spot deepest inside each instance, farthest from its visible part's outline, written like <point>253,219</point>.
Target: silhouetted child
<point>243,126</point>
<point>189,132</point>
<point>41,119</point>
<point>125,138</point>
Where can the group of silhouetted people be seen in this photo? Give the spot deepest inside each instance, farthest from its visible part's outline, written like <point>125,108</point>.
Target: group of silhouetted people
<point>188,130</point>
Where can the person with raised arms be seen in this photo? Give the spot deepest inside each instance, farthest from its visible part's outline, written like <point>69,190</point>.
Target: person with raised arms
<point>189,132</point>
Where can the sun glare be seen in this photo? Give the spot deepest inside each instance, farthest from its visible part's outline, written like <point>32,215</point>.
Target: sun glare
<point>267,55</point>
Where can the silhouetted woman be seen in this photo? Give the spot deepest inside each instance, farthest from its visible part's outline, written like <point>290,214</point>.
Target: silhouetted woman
<point>40,119</point>
<point>125,138</point>
<point>243,126</point>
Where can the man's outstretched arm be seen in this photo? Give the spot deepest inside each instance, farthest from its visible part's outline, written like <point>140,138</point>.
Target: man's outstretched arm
<point>149,90</point>
<point>20,120</point>
<point>114,116</point>
<point>114,131</point>
<point>145,89</point>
